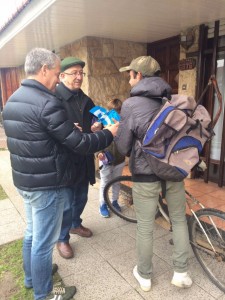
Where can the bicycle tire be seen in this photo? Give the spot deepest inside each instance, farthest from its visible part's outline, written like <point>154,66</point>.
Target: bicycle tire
<point>125,199</point>
<point>212,262</point>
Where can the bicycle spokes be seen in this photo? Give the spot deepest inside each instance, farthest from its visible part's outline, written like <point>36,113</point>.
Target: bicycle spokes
<point>207,236</point>
<point>122,187</point>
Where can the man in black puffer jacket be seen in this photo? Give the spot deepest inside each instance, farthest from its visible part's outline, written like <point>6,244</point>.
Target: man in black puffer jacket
<point>147,91</point>
<point>40,140</point>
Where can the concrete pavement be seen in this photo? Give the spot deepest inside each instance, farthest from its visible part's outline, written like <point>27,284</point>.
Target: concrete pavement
<point>103,264</point>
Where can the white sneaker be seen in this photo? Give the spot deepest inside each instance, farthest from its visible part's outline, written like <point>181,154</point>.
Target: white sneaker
<point>145,284</point>
<point>182,280</point>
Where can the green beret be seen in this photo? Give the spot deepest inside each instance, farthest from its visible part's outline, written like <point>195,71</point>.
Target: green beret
<point>71,61</point>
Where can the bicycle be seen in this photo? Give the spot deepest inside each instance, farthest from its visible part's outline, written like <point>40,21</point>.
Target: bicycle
<point>206,227</point>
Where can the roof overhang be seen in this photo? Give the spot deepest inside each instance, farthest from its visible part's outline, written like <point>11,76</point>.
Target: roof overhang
<point>55,23</point>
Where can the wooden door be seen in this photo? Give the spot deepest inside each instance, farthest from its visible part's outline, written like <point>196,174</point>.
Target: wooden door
<point>167,53</point>
<point>9,82</point>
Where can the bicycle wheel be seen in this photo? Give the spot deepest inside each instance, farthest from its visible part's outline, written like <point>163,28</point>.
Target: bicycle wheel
<point>125,199</point>
<point>207,237</point>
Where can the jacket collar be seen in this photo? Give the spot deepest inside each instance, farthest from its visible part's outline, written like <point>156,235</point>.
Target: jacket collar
<point>63,92</point>
<point>36,84</point>
<point>151,87</point>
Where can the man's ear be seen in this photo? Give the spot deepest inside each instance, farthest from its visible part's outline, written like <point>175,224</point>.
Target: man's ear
<point>139,76</point>
<point>44,69</point>
<point>61,76</point>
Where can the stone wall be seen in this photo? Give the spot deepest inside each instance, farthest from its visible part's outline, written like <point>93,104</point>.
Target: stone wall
<point>103,59</point>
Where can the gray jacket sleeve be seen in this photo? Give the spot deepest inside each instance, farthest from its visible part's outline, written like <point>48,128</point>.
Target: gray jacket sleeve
<point>125,133</point>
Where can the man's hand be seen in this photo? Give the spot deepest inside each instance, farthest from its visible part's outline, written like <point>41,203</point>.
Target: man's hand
<point>113,128</point>
<point>96,127</point>
<point>101,156</point>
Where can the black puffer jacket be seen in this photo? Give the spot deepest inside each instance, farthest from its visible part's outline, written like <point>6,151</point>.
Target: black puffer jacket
<point>136,114</point>
<point>40,139</point>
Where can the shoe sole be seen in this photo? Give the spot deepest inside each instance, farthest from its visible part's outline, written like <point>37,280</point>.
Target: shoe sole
<point>82,235</point>
<point>66,257</point>
<point>104,216</point>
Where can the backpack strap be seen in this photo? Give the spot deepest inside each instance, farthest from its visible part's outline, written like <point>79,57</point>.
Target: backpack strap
<point>194,126</point>
<point>163,185</point>
<point>212,81</point>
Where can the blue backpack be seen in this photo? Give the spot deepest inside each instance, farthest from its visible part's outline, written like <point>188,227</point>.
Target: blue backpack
<point>176,136</point>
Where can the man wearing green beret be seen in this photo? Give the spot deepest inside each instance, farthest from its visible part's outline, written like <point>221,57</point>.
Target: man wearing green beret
<point>77,105</point>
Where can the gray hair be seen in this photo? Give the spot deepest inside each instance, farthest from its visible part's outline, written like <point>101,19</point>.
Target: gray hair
<point>38,57</point>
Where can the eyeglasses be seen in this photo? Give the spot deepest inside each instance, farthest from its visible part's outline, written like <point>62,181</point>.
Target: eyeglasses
<point>75,74</point>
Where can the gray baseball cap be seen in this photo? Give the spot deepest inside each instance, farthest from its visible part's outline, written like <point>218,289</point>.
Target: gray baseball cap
<point>146,65</point>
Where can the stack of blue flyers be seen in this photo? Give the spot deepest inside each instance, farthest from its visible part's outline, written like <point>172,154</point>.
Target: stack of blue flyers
<point>104,116</point>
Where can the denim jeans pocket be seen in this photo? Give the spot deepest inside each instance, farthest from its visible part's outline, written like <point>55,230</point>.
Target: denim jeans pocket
<point>37,199</point>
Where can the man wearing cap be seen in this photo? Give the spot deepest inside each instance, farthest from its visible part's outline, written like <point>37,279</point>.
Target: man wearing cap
<point>147,91</point>
<point>77,106</point>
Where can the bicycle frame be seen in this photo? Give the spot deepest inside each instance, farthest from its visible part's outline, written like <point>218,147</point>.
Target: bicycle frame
<point>192,201</point>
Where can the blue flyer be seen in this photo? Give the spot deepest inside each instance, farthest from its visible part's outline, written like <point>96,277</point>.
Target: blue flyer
<point>104,116</point>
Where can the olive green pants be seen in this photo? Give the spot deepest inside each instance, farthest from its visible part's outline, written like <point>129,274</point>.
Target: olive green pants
<point>145,197</point>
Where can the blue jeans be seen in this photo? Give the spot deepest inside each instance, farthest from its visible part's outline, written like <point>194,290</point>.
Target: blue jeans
<point>73,208</point>
<point>44,211</point>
